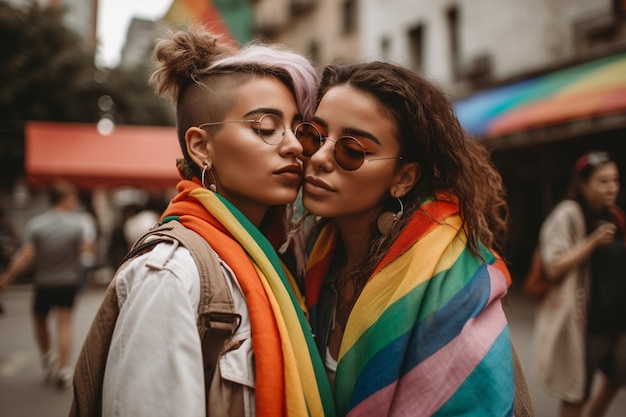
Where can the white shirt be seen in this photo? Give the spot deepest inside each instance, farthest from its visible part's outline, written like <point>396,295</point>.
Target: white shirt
<point>331,367</point>
<point>154,367</point>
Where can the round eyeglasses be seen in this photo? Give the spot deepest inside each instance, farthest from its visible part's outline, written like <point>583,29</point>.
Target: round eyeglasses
<point>270,127</point>
<point>348,151</point>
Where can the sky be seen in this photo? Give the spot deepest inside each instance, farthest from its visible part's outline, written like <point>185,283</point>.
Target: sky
<point>114,16</point>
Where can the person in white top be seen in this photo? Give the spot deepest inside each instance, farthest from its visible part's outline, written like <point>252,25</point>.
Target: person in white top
<point>138,224</point>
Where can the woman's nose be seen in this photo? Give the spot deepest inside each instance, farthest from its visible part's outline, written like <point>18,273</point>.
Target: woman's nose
<point>291,142</point>
<point>324,156</point>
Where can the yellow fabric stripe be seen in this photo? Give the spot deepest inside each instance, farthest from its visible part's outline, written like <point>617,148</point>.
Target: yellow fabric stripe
<point>284,312</point>
<point>295,398</point>
<point>326,235</point>
<point>609,76</point>
<point>415,265</point>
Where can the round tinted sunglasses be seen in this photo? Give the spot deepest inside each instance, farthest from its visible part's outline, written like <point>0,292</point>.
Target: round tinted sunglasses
<point>348,151</point>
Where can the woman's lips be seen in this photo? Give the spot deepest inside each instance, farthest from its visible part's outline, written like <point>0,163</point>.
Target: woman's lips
<point>314,184</point>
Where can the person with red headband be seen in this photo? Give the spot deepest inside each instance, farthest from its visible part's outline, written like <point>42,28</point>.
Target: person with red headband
<point>580,327</point>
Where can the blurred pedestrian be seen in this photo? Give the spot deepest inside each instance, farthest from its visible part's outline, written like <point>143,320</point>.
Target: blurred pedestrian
<point>236,111</point>
<point>580,323</point>
<point>403,287</point>
<point>8,245</point>
<point>8,241</point>
<point>53,242</point>
<point>91,234</point>
<point>143,219</point>
<point>118,244</point>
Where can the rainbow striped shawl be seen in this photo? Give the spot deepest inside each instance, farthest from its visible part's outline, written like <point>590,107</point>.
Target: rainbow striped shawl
<point>290,376</point>
<point>427,335</point>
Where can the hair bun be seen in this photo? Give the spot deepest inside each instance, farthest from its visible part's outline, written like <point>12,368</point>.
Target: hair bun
<point>183,56</point>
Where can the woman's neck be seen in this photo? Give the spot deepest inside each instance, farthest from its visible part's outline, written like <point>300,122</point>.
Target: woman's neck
<point>356,241</point>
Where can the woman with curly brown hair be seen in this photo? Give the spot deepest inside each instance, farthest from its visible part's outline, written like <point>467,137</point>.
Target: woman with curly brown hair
<point>403,282</point>
<point>580,330</point>
<point>236,113</point>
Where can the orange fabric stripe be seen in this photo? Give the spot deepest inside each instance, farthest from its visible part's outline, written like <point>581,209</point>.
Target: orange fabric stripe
<point>269,386</point>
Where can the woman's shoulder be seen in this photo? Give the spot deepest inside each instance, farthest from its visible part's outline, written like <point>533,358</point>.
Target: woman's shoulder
<point>566,209</point>
<point>166,259</point>
<point>568,206</point>
<point>565,220</point>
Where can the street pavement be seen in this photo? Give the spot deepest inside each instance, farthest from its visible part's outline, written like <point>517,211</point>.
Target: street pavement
<point>23,392</point>
<point>521,315</point>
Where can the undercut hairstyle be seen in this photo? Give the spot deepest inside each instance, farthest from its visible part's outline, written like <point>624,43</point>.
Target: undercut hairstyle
<point>200,74</point>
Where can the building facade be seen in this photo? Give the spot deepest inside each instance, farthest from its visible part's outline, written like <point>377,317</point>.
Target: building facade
<point>524,76</point>
<point>539,81</point>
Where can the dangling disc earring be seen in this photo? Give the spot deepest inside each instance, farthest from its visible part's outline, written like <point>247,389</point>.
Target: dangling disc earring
<point>388,218</point>
<point>207,165</point>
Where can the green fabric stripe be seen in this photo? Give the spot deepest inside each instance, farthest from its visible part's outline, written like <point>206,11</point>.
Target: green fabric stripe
<point>169,219</point>
<point>546,86</point>
<point>449,282</point>
<point>239,17</point>
<point>268,249</point>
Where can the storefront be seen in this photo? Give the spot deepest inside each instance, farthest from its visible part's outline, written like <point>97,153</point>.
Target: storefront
<point>124,168</point>
<point>130,156</point>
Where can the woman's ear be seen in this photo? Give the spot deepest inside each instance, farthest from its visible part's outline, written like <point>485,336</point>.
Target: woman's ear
<point>408,176</point>
<point>198,143</point>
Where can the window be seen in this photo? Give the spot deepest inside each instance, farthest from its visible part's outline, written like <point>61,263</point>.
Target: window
<point>416,47</point>
<point>314,51</point>
<point>349,16</point>
<point>385,47</point>
<point>452,19</point>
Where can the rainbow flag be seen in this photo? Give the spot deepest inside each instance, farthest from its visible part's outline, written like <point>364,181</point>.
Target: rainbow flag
<point>233,19</point>
<point>428,335</point>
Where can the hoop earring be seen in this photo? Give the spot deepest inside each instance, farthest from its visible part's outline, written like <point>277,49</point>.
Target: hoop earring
<point>207,165</point>
<point>387,219</point>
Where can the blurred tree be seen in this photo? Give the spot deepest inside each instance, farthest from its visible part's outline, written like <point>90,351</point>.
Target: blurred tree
<point>43,66</point>
<point>135,101</point>
<point>47,72</point>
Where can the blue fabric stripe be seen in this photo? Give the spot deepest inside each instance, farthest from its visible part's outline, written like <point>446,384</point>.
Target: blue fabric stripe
<point>433,333</point>
<point>445,324</point>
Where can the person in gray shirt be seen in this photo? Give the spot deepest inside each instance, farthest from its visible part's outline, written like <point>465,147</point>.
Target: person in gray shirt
<point>54,243</point>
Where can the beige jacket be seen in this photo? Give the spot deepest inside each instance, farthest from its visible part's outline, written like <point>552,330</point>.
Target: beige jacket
<point>154,366</point>
<point>558,346</point>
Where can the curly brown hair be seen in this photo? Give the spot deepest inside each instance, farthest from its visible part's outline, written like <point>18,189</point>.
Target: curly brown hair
<point>452,164</point>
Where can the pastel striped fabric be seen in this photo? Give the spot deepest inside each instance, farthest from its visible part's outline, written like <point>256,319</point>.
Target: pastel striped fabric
<point>290,377</point>
<point>428,336</point>
<point>585,91</point>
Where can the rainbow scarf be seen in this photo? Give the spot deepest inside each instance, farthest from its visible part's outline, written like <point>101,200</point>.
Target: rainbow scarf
<point>427,335</point>
<point>290,376</point>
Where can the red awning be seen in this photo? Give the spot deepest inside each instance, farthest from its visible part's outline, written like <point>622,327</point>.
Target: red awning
<point>136,156</point>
